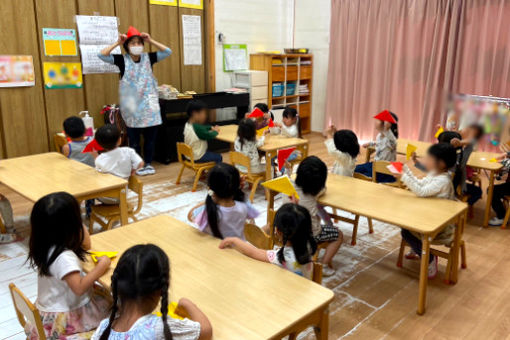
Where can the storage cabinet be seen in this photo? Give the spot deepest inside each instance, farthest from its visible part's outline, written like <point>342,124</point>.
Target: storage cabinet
<point>289,82</point>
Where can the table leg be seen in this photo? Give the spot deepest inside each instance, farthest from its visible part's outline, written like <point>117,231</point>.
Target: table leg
<point>422,294</point>
<point>322,329</point>
<point>489,200</point>
<point>454,269</point>
<point>123,207</point>
<point>269,170</point>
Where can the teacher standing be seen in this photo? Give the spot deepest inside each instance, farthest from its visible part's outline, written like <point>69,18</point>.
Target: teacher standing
<point>138,90</point>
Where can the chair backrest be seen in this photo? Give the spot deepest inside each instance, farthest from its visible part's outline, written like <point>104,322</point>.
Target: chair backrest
<point>59,140</point>
<point>362,177</point>
<point>136,185</point>
<point>26,311</point>
<point>257,236</point>
<point>317,272</point>
<point>237,158</point>
<point>381,167</point>
<point>184,153</point>
<point>368,153</point>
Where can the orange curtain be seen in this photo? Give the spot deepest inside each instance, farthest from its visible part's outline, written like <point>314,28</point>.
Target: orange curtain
<point>406,55</point>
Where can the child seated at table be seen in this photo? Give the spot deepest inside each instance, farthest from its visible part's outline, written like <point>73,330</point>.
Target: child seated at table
<point>291,124</point>
<point>310,183</point>
<point>344,147</point>
<point>262,122</point>
<point>140,282</point>
<point>225,210</point>
<point>386,125</point>
<point>501,190</point>
<point>197,133</point>
<point>440,159</point>
<point>58,245</point>
<point>293,227</point>
<point>74,129</point>
<point>247,143</point>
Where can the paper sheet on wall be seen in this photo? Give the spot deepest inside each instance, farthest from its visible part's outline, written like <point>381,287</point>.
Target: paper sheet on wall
<point>197,4</point>
<point>192,39</point>
<point>235,57</point>
<point>16,70</point>
<point>96,32</point>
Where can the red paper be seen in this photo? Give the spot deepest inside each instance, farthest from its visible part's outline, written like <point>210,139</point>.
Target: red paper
<point>283,154</point>
<point>398,166</point>
<point>93,146</point>
<point>256,113</point>
<point>271,123</point>
<point>385,116</point>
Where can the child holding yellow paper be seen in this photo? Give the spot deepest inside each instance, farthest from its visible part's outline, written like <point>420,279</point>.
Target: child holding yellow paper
<point>58,244</point>
<point>139,283</point>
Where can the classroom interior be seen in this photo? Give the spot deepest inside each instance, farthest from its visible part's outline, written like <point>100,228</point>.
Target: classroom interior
<point>337,62</point>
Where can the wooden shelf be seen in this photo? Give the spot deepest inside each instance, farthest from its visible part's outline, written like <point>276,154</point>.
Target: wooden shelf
<point>290,70</point>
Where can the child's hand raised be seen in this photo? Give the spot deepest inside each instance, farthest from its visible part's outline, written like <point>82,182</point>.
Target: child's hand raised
<point>414,157</point>
<point>294,199</point>
<point>330,131</point>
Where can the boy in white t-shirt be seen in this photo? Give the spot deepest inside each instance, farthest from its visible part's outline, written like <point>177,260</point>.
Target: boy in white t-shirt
<point>119,161</point>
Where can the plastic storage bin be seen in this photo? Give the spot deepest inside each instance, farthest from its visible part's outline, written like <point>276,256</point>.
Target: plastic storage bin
<point>291,89</point>
<point>277,89</point>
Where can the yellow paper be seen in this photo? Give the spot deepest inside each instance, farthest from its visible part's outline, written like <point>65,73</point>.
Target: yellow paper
<point>171,311</point>
<point>68,47</point>
<point>196,4</point>
<point>95,254</point>
<point>260,132</point>
<point>52,47</point>
<point>439,131</point>
<point>62,75</point>
<point>163,2</point>
<point>410,149</point>
<point>493,160</point>
<point>283,185</point>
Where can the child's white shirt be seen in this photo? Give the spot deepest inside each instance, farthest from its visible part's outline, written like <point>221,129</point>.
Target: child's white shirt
<point>53,293</point>
<point>344,163</point>
<point>250,149</point>
<point>385,146</point>
<point>119,162</point>
<point>432,185</point>
<point>290,131</point>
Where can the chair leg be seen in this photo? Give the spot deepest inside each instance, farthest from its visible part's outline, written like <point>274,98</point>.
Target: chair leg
<point>292,336</point>
<point>354,230</point>
<point>505,221</point>
<point>254,189</point>
<point>370,226</point>
<point>463,255</point>
<point>334,213</point>
<point>110,224</point>
<point>401,253</point>
<point>448,269</point>
<point>197,178</point>
<point>178,181</point>
<point>92,219</point>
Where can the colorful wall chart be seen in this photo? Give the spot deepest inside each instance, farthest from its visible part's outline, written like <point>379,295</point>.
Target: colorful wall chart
<point>16,71</point>
<point>59,42</point>
<point>62,75</point>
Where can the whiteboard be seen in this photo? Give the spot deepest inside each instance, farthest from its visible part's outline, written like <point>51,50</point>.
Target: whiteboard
<point>235,57</point>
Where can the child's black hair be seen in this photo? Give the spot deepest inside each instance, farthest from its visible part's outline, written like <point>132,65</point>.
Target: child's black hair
<point>108,136</point>
<point>195,106</point>
<point>224,180</point>
<point>55,223</point>
<point>444,152</point>
<point>246,131</point>
<point>142,270</point>
<point>295,224</point>
<point>447,136</point>
<point>394,126</point>
<point>311,175</point>
<point>479,130</point>
<point>346,141</point>
<point>290,112</point>
<point>126,43</point>
<point>264,108</point>
<point>74,127</point>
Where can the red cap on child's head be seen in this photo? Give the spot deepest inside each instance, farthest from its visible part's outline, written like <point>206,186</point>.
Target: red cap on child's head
<point>132,32</point>
<point>256,113</point>
<point>385,116</point>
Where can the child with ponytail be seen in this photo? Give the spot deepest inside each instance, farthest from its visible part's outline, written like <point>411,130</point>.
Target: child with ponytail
<point>225,210</point>
<point>293,226</point>
<point>139,283</point>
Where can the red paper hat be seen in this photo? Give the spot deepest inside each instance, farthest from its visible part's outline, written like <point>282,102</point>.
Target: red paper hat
<point>271,123</point>
<point>385,116</point>
<point>283,154</point>
<point>256,113</point>
<point>93,146</point>
<point>132,32</point>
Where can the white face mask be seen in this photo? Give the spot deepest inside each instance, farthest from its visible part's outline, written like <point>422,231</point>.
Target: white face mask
<point>136,50</point>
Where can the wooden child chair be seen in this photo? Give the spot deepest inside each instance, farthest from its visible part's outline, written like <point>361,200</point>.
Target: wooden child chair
<point>381,167</point>
<point>237,158</point>
<point>507,214</point>
<point>59,141</point>
<point>112,212</point>
<point>26,311</point>
<point>185,157</point>
<point>256,236</point>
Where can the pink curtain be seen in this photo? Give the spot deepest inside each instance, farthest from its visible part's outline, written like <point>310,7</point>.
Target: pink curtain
<point>406,55</point>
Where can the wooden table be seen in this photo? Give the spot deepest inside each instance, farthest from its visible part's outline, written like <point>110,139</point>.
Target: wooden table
<point>36,176</point>
<point>477,160</point>
<point>243,298</point>
<point>272,144</point>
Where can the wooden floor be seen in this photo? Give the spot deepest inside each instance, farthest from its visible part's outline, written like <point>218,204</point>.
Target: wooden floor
<point>373,298</point>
